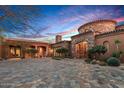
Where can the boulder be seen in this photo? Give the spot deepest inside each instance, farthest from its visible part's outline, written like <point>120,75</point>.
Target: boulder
<point>93,61</point>
<point>121,67</point>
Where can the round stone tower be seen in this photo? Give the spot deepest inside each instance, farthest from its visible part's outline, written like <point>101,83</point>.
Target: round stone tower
<point>99,26</point>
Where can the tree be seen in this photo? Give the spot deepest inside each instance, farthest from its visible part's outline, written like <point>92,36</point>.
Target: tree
<point>62,51</point>
<point>117,42</point>
<point>31,51</point>
<point>97,51</point>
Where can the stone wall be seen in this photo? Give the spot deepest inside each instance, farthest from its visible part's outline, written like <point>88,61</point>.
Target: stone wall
<point>88,37</point>
<point>100,26</point>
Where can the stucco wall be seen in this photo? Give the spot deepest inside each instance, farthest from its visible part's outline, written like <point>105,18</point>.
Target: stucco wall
<point>23,44</point>
<point>111,39</point>
<point>98,26</point>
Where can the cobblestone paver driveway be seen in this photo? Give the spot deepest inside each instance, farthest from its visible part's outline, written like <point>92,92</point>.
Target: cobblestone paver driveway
<point>65,73</point>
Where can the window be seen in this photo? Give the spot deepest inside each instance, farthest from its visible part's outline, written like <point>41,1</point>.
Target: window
<point>106,44</point>
<point>15,51</point>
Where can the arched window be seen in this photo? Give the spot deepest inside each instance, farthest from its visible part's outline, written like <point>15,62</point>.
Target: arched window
<point>106,44</point>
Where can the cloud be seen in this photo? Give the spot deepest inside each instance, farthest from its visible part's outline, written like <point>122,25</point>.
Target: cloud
<point>74,13</point>
<point>32,36</point>
<point>119,19</point>
<point>66,21</point>
<point>67,32</point>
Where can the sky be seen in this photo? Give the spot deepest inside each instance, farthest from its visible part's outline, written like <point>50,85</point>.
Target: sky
<point>47,21</point>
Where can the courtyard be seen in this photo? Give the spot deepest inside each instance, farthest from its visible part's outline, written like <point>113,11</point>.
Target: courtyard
<point>64,73</point>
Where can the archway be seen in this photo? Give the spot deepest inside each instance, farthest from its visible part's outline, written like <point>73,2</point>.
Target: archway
<point>41,51</point>
<point>15,51</point>
<point>106,44</point>
<point>81,49</point>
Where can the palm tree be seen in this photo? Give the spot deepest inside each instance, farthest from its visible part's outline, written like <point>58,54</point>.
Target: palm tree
<point>117,42</point>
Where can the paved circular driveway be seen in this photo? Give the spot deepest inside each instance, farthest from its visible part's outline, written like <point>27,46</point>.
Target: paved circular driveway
<point>63,73</point>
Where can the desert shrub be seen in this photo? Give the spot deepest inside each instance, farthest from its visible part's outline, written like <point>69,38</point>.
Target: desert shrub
<point>113,61</point>
<point>117,54</point>
<point>100,49</point>
<point>91,53</point>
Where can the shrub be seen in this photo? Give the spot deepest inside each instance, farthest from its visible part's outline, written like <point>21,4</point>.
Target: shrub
<point>113,61</point>
<point>62,51</point>
<point>100,49</point>
<point>117,54</point>
<point>91,53</point>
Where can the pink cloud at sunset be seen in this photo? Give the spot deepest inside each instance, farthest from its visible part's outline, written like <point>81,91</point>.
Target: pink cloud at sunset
<point>119,19</point>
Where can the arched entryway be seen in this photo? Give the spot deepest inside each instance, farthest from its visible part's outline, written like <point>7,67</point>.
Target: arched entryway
<point>15,51</point>
<point>81,49</point>
<point>41,51</point>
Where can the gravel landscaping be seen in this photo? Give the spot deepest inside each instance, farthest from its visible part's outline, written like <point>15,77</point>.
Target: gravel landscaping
<point>65,73</point>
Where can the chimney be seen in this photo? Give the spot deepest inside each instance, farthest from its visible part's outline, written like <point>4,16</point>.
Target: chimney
<point>58,38</point>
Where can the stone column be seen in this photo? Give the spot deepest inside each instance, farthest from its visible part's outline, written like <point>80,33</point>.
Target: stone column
<point>47,51</point>
<point>36,47</point>
<point>6,52</point>
<point>23,47</point>
<point>1,48</point>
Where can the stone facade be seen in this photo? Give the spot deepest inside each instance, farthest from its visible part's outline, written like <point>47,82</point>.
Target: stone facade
<point>64,44</point>
<point>88,37</point>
